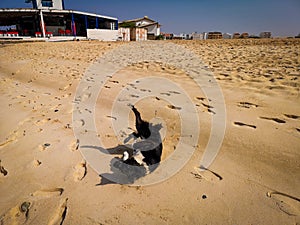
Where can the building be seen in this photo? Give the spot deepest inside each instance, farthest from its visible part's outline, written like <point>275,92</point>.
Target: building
<point>152,27</point>
<point>167,36</point>
<point>244,35</point>
<point>227,36</point>
<point>196,36</point>
<point>265,34</point>
<point>214,35</point>
<point>47,4</point>
<point>236,35</point>
<point>49,18</point>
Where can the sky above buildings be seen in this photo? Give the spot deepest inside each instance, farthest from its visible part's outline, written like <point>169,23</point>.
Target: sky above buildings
<point>281,17</point>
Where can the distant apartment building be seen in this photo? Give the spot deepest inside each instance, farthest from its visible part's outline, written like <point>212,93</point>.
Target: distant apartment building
<point>214,35</point>
<point>265,34</point>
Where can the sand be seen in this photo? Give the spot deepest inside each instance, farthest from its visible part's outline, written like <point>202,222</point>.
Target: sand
<point>254,179</point>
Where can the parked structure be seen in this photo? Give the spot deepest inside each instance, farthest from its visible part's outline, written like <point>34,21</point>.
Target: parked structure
<point>265,34</point>
<point>152,27</point>
<point>50,18</point>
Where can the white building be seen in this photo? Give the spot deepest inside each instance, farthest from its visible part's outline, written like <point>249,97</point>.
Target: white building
<point>153,27</point>
<point>47,4</point>
<point>227,36</point>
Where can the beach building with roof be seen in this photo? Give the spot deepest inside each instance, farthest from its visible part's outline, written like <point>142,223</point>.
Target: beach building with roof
<point>236,35</point>
<point>152,26</point>
<point>227,36</point>
<point>49,18</point>
<point>214,35</point>
<point>265,34</point>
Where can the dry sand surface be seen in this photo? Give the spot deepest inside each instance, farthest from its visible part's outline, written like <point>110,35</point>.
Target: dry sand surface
<point>254,179</point>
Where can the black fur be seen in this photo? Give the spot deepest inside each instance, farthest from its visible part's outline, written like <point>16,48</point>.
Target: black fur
<point>142,126</point>
<point>152,147</point>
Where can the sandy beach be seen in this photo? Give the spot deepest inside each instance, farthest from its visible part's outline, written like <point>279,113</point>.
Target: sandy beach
<point>254,179</point>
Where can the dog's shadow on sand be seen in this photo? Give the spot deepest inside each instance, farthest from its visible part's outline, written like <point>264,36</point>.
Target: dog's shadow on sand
<point>127,172</point>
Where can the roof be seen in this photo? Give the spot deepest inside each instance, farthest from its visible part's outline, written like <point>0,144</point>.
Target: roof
<point>139,19</point>
<point>150,24</point>
<point>28,10</point>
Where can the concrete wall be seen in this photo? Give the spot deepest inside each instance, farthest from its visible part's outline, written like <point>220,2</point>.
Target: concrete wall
<point>138,34</point>
<point>153,29</point>
<point>124,34</point>
<point>102,35</point>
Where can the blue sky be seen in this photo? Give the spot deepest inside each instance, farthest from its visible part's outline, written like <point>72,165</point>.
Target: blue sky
<point>281,17</point>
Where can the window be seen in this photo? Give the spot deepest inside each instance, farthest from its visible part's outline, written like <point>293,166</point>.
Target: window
<point>47,3</point>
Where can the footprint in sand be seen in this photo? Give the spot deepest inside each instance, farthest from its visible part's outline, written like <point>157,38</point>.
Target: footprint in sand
<point>273,119</point>
<point>206,174</point>
<point>286,203</point>
<point>86,96</point>
<point>90,79</point>
<point>173,107</point>
<point>88,110</point>
<point>208,107</point>
<point>74,145</point>
<point>114,81</point>
<point>244,124</point>
<point>247,105</point>
<point>48,193</point>
<point>3,171</point>
<point>174,92</point>
<point>202,99</point>
<point>41,122</point>
<point>112,117</point>
<point>44,146</point>
<point>79,171</point>
<point>60,213</point>
<point>16,215</point>
<point>290,116</point>
<point>36,163</point>
<point>79,123</point>
<point>145,90</point>
<point>7,141</point>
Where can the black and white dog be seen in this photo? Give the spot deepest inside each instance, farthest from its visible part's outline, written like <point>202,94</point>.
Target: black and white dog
<point>150,144</point>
